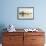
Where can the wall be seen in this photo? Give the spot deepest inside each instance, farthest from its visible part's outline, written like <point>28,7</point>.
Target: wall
<point>8,13</point>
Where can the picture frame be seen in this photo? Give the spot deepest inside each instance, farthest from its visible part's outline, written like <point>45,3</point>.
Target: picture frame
<point>25,13</point>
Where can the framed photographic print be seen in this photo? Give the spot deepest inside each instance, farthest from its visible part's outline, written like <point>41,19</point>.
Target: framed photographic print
<point>25,13</point>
